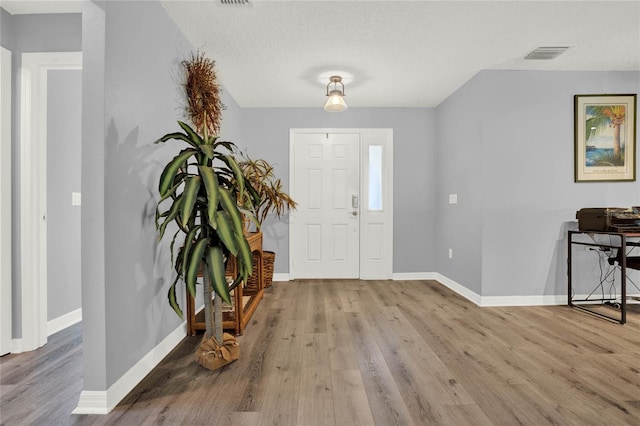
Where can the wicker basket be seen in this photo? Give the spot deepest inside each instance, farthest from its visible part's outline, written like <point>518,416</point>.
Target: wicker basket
<point>252,281</point>
<point>268,259</point>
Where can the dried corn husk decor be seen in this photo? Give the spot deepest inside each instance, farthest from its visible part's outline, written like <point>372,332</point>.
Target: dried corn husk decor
<point>212,355</point>
<point>204,106</point>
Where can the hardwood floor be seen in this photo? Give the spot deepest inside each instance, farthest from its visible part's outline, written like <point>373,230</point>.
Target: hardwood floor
<point>42,386</point>
<point>336,352</point>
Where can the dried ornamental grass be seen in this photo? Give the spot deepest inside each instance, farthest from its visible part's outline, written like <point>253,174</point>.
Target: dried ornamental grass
<point>204,105</point>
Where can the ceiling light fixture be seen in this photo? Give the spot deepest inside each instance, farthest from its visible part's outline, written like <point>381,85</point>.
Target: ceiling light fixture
<point>335,103</point>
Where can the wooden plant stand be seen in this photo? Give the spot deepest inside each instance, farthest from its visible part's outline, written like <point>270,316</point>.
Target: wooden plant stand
<point>237,318</point>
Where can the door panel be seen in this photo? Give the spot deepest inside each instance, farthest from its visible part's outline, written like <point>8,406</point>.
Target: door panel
<point>376,212</point>
<point>326,165</point>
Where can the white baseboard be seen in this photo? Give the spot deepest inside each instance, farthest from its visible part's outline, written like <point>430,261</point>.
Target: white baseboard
<point>102,402</point>
<point>16,346</point>
<point>540,300</point>
<point>281,277</point>
<point>53,326</point>
<point>64,321</point>
<point>484,301</point>
<point>411,276</point>
<point>93,402</point>
<point>460,289</point>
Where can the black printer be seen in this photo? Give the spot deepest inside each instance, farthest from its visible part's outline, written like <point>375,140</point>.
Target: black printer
<point>609,219</point>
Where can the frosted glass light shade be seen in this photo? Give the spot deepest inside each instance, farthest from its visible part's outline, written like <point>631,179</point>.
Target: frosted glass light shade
<point>335,103</point>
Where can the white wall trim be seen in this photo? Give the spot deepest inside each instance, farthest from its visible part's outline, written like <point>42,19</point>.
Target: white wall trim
<point>281,277</point>
<point>33,193</point>
<point>6,312</point>
<point>93,402</point>
<point>16,346</point>
<point>538,300</point>
<point>460,289</point>
<point>102,402</point>
<point>63,321</point>
<point>412,276</point>
<point>484,301</point>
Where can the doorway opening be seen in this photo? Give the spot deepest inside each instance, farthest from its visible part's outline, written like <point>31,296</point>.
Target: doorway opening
<point>33,191</point>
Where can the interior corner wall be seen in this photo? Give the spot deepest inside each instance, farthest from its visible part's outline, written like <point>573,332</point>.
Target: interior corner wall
<point>131,97</point>
<point>528,199</point>
<point>459,172</point>
<point>231,124</point>
<point>265,134</point>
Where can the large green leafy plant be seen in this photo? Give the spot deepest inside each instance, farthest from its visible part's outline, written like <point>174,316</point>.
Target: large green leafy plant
<point>201,190</point>
<point>201,199</point>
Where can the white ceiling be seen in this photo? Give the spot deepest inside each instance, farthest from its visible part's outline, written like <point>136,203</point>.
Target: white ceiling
<point>19,7</point>
<point>395,53</point>
<point>398,53</point>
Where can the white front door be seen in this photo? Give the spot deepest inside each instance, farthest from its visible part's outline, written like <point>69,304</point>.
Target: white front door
<point>326,223</point>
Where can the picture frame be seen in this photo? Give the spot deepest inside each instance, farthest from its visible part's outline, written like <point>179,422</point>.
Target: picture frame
<point>605,138</point>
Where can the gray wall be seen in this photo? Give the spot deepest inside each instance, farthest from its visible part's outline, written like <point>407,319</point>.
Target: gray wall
<point>131,97</point>
<point>20,34</point>
<point>58,32</point>
<point>459,170</point>
<point>265,134</point>
<point>524,198</point>
<point>231,124</point>
<point>63,177</point>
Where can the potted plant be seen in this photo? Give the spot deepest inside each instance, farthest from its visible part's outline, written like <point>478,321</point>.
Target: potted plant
<point>272,200</point>
<point>200,189</point>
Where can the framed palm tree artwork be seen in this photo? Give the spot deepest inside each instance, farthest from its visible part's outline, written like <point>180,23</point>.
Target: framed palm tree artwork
<point>605,138</point>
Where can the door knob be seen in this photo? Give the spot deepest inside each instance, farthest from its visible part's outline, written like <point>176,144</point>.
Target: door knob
<point>355,213</point>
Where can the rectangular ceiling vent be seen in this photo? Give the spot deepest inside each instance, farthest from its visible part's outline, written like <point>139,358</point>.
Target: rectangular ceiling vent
<point>547,52</point>
<point>236,3</point>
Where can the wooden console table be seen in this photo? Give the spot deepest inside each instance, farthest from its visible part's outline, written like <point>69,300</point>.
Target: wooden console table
<point>239,316</point>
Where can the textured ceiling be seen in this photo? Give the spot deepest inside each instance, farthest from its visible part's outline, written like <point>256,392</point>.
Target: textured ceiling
<point>398,53</point>
<point>390,53</point>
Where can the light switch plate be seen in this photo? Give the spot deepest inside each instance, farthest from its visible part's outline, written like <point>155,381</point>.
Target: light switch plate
<point>76,199</point>
<point>453,198</point>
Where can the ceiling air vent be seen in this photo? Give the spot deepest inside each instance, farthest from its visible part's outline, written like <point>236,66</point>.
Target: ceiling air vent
<point>546,52</point>
<point>235,2</point>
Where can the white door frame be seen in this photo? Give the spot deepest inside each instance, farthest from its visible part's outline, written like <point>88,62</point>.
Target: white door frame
<point>33,189</point>
<point>5,202</point>
<point>380,267</point>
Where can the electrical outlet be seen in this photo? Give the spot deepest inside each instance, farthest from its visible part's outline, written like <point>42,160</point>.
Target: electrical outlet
<point>453,198</point>
<point>450,253</point>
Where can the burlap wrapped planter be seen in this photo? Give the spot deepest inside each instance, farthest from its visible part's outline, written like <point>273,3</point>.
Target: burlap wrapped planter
<point>212,355</point>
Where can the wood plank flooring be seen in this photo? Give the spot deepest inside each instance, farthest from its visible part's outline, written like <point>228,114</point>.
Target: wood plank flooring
<point>341,352</point>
